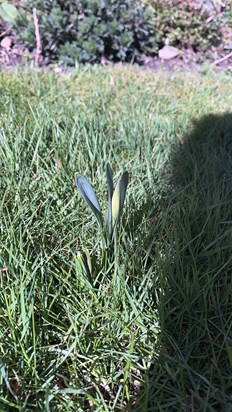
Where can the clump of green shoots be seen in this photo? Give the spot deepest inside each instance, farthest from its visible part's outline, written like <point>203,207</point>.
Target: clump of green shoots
<point>109,226</point>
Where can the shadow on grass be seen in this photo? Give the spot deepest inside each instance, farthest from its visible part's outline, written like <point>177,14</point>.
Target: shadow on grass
<point>193,370</point>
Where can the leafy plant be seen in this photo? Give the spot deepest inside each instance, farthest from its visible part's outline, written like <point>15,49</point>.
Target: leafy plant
<point>186,24</point>
<point>86,31</point>
<point>116,199</point>
<point>8,12</point>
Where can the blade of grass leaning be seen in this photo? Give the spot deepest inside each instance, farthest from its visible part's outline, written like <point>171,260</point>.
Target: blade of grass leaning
<point>90,197</point>
<point>109,176</point>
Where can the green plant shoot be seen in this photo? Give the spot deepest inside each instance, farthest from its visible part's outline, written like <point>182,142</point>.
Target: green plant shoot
<point>116,200</point>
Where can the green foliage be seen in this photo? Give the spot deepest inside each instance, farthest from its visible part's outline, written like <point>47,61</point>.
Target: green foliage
<point>85,31</point>
<point>8,12</point>
<point>155,336</point>
<point>186,24</point>
<point>116,199</point>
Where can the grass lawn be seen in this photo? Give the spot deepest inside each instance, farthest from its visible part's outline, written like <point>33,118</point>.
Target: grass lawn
<point>153,330</point>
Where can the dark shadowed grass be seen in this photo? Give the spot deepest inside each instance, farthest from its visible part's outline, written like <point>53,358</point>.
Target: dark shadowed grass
<point>155,333</point>
<point>195,364</point>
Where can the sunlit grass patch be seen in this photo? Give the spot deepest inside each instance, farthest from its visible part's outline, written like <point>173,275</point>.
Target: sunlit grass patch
<point>154,333</point>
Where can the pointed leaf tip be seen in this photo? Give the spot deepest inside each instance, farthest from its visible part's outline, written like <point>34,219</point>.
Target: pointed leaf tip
<point>109,176</point>
<point>119,197</point>
<point>89,196</point>
<point>123,188</point>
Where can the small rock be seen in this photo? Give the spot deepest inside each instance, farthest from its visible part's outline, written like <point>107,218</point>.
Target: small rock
<point>168,52</point>
<point>6,43</point>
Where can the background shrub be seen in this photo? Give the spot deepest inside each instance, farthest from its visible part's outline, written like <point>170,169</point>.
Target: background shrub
<point>186,23</point>
<point>87,30</point>
<point>122,30</point>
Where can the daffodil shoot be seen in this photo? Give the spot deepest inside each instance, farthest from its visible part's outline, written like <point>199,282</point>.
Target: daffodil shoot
<point>116,200</point>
